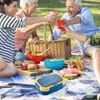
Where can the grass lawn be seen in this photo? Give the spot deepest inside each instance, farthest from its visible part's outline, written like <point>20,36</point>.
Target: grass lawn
<point>59,5</point>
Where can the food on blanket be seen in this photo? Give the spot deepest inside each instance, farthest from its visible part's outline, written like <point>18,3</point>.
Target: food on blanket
<point>53,59</point>
<point>70,76</point>
<point>74,71</point>
<point>80,65</point>
<point>70,73</point>
<point>36,53</point>
<point>66,61</point>
<point>76,57</point>
<point>26,62</point>
<point>72,64</point>
<point>32,67</point>
<point>76,62</point>
<point>29,65</point>
<point>36,58</point>
<point>18,63</point>
<point>33,53</point>
<point>23,67</point>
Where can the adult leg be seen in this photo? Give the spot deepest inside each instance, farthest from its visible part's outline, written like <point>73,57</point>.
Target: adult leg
<point>81,46</point>
<point>96,63</point>
<point>88,50</point>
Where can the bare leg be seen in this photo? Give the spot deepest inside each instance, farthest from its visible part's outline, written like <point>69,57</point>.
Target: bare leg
<point>96,63</point>
<point>3,64</point>
<point>6,69</point>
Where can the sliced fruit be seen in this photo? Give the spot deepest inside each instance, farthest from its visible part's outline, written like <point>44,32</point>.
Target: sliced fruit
<point>74,71</point>
<point>70,76</point>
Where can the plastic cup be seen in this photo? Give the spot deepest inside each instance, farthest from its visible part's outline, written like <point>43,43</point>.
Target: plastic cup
<point>59,24</point>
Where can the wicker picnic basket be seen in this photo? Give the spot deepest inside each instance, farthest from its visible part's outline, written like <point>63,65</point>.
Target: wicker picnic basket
<point>58,48</point>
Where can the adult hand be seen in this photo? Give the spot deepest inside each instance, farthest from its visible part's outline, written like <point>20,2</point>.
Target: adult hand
<point>66,30</point>
<point>67,22</point>
<point>50,18</point>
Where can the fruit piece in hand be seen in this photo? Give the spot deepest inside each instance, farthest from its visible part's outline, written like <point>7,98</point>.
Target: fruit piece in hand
<point>54,13</point>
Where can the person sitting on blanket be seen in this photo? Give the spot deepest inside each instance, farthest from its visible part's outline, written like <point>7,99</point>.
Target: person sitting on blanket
<point>92,43</point>
<point>28,8</point>
<point>8,25</point>
<point>78,19</point>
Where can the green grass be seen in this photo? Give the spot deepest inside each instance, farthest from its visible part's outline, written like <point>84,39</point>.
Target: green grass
<point>59,5</point>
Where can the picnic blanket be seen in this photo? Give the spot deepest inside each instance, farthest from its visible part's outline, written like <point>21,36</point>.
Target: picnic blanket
<point>21,87</point>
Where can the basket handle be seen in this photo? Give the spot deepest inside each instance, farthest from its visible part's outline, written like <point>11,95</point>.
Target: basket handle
<point>52,36</point>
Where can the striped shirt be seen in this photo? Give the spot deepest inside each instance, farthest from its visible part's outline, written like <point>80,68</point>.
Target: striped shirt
<point>8,26</point>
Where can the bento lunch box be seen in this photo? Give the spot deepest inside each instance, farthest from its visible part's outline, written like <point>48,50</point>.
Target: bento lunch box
<point>49,83</point>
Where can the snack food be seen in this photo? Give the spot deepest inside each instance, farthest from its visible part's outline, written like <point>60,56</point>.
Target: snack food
<point>69,73</point>
<point>18,63</point>
<point>54,13</point>
<point>76,62</point>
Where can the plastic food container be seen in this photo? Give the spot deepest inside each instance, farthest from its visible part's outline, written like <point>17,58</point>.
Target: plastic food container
<point>49,83</point>
<point>55,64</point>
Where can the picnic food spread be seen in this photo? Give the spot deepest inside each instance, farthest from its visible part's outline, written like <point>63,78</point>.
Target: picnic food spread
<point>76,62</point>
<point>27,65</point>
<point>69,73</point>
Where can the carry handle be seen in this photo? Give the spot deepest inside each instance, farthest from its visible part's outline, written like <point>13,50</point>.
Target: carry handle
<point>52,36</point>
